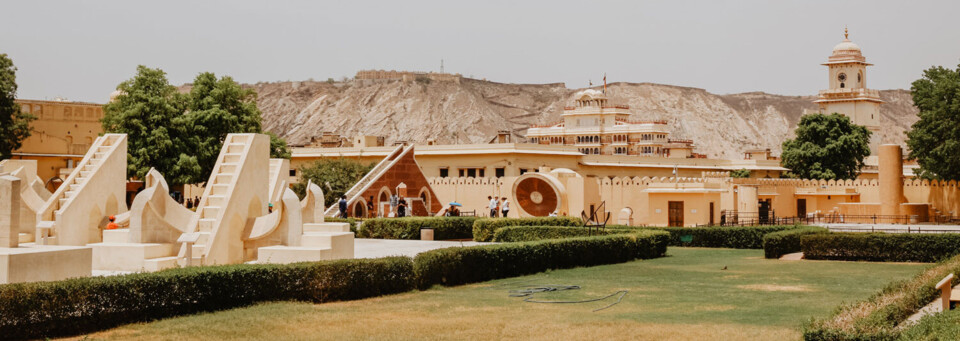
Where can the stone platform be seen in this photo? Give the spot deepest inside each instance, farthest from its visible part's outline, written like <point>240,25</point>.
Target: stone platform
<point>32,263</point>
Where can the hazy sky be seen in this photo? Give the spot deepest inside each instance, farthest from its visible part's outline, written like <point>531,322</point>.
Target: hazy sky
<point>82,49</point>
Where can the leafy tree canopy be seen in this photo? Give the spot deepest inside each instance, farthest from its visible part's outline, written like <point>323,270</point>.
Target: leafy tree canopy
<point>181,134</point>
<point>334,176</point>
<point>740,173</point>
<point>826,147</point>
<point>14,124</point>
<point>216,108</point>
<point>934,140</point>
<point>146,110</point>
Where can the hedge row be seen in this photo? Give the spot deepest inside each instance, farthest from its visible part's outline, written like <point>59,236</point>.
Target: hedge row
<point>484,228</point>
<point>777,244</point>
<point>745,237</point>
<point>534,233</point>
<point>454,266</point>
<point>409,227</point>
<point>46,309</point>
<point>878,317</point>
<point>881,247</point>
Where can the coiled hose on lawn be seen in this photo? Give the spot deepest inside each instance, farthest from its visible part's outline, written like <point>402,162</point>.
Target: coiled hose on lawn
<point>530,291</point>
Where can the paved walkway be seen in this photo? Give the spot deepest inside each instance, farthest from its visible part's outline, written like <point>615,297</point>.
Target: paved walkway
<point>375,248</point>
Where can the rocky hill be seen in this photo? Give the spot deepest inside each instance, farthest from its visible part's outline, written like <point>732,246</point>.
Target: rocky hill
<point>474,110</point>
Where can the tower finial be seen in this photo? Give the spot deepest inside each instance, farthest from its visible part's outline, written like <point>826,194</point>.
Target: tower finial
<point>846,35</point>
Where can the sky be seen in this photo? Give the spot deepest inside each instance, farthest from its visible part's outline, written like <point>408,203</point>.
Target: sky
<point>81,50</point>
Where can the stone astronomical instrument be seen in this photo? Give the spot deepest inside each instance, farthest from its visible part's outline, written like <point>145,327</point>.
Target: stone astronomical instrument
<point>537,195</point>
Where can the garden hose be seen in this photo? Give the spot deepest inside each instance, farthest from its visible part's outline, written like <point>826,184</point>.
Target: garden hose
<point>529,292</point>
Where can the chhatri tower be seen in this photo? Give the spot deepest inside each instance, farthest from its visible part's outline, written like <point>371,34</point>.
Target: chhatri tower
<point>847,93</point>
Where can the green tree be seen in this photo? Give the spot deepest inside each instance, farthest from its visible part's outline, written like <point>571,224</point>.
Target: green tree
<point>334,176</point>
<point>826,147</point>
<point>278,147</point>
<point>14,124</point>
<point>216,108</point>
<point>146,111</point>
<point>934,140</point>
<point>740,173</point>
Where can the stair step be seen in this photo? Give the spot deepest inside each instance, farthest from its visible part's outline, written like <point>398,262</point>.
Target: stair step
<point>203,237</point>
<point>216,200</point>
<point>210,212</point>
<point>227,168</point>
<point>103,149</point>
<point>222,179</point>
<point>63,201</point>
<point>160,263</point>
<point>220,189</point>
<point>98,156</point>
<point>69,194</point>
<point>326,227</point>
<point>324,239</point>
<point>231,158</point>
<point>205,224</point>
<point>235,148</point>
<point>85,174</point>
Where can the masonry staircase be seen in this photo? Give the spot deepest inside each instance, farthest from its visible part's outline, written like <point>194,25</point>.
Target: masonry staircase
<point>216,219</point>
<point>361,186</point>
<point>96,188</point>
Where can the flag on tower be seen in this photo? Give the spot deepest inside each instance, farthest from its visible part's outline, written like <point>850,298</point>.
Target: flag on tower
<point>604,83</point>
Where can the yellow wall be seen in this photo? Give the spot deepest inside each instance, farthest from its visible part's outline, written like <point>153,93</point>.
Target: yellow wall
<point>63,131</point>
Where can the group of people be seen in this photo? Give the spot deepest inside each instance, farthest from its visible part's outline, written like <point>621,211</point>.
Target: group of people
<point>498,205</point>
<point>190,203</point>
<point>402,207</point>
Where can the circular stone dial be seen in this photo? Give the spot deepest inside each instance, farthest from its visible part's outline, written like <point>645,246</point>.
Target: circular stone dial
<point>536,197</point>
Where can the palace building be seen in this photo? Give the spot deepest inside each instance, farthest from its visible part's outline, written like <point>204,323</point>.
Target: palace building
<point>596,127</point>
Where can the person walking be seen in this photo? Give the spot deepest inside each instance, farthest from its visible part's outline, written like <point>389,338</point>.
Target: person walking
<point>493,206</point>
<point>505,207</point>
<point>343,206</point>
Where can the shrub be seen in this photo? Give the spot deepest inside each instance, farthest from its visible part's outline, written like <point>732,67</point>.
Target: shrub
<point>878,317</point>
<point>409,227</point>
<point>777,244</point>
<point>484,228</point>
<point>881,247</point>
<point>532,233</point>
<point>69,307</point>
<point>743,237</point>
<point>461,265</point>
<point>945,326</point>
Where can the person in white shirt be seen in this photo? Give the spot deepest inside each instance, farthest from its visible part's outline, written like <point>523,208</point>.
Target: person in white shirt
<point>493,206</point>
<point>505,207</point>
<point>553,214</point>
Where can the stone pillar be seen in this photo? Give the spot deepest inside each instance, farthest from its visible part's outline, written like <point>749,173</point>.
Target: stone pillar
<point>9,211</point>
<point>891,179</point>
<point>747,203</point>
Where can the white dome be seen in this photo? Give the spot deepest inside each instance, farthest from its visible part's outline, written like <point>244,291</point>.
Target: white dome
<point>115,94</point>
<point>589,94</point>
<point>846,46</point>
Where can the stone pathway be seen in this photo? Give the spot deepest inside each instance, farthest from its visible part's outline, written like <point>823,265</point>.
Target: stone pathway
<point>375,248</point>
<point>792,256</point>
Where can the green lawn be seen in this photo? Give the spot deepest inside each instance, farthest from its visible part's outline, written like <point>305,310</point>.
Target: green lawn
<point>686,295</point>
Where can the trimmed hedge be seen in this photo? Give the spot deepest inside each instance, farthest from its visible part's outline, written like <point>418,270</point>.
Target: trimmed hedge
<point>777,244</point>
<point>741,237</point>
<point>462,265</point>
<point>409,227</point>
<point>881,247</point>
<point>878,317</point>
<point>70,307</point>
<point>484,228</point>
<point>533,233</point>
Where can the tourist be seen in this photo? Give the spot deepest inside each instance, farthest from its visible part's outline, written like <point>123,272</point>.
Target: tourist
<point>343,206</point>
<point>498,205</point>
<point>371,210</point>
<point>505,207</point>
<point>402,208</point>
<point>189,204</point>
<point>493,206</point>
<point>269,207</point>
<point>196,201</point>
<point>553,214</point>
<point>112,225</point>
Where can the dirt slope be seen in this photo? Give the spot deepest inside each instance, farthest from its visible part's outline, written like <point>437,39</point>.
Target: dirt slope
<point>474,110</point>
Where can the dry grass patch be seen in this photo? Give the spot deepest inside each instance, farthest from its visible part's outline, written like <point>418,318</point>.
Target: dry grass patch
<point>773,287</point>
